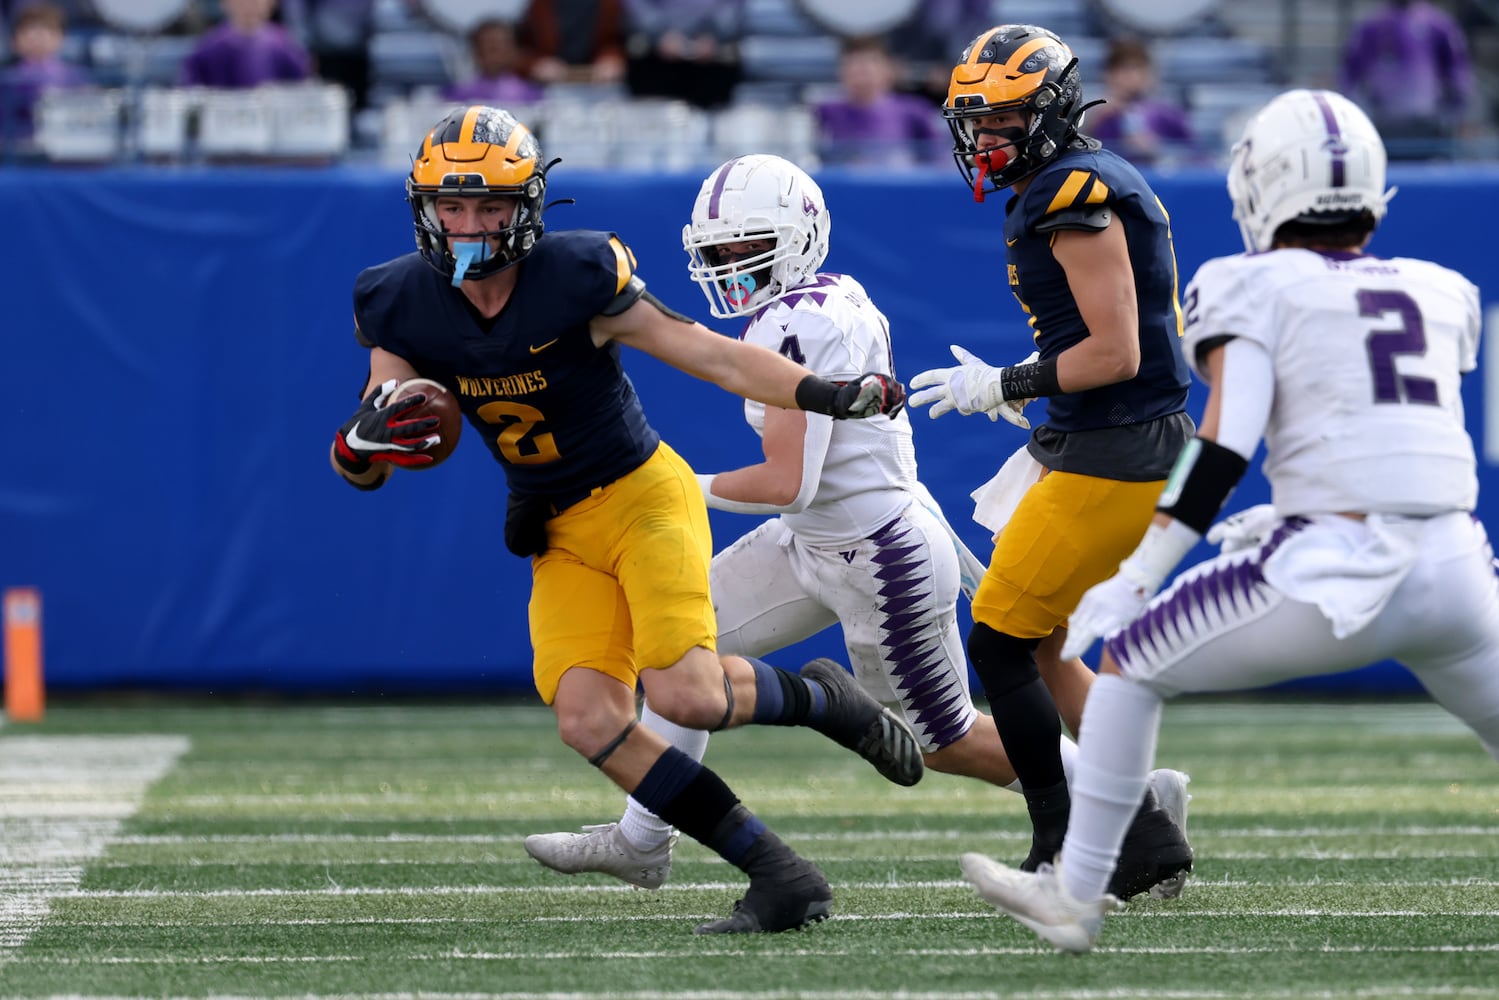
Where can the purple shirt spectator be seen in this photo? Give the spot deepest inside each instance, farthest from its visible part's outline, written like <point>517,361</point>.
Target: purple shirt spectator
<point>1161,119</point>
<point>23,83</point>
<point>894,130</point>
<point>1409,61</point>
<point>228,57</point>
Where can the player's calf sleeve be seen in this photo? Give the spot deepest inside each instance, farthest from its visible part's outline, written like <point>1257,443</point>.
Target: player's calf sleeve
<point>696,801</point>
<point>1116,751</point>
<point>783,698</point>
<point>640,826</point>
<point>1024,711</point>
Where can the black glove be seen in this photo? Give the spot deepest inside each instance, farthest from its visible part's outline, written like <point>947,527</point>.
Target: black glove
<point>380,433</point>
<point>526,524</point>
<point>864,396</point>
<point>867,395</point>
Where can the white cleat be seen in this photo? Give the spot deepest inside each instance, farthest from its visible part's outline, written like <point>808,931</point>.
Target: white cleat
<point>603,848</point>
<point>1170,789</point>
<point>1040,901</point>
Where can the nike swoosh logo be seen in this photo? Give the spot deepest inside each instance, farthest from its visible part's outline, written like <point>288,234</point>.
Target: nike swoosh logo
<point>1010,243</point>
<point>538,350</point>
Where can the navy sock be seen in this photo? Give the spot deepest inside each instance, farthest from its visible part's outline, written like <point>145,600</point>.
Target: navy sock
<point>783,698</point>
<point>696,801</point>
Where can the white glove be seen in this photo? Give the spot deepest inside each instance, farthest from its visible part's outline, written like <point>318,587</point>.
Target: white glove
<point>1105,609</point>
<point>1247,529</point>
<point>1109,606</point>
<point>971,387</point>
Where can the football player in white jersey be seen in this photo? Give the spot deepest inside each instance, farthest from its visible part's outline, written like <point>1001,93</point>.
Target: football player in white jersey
<point>1348,367</point>
<point>859,541</point>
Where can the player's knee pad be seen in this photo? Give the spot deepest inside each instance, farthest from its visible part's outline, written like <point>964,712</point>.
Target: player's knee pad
<point>1002,662</point>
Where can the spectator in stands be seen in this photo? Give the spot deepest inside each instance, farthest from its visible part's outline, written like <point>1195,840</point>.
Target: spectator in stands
<point>36,42</point>
<point>495,81</point>
<point>926,41</point>
<point>580,41</point>
<point>247,50</point>
<point>1407,65</point>
<point>336,33</point>
<point>870,123</point>
<point>1134,121</point>
<point>685,49</point>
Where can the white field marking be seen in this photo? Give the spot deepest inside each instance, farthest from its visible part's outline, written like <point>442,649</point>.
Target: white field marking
<point>458,955</point>
<point>502,890</point>
<point>1115,993</point>
<point>684,916</point>
<point>852,836</point>
<point>61,799</point>
<point>1306,855</point>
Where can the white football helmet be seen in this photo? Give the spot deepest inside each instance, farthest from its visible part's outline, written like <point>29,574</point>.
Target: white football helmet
<point>756,197</point>
<point>1310,153</point>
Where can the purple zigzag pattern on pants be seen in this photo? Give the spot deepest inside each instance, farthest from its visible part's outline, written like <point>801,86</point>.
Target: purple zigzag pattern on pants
<point>908,627</point>
<point>1220,589</point>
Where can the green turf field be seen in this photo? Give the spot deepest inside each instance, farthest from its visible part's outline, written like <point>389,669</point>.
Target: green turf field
<point>1344,849</point>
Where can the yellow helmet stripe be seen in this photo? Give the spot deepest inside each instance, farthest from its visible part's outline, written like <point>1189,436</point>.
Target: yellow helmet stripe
<point>517,136</point>
<point>979,46</point>
<point>470,121</point>
<point>1069,191</point>
<point>1020,55</point>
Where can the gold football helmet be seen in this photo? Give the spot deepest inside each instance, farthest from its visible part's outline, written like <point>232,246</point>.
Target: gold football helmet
<point>475,153</point>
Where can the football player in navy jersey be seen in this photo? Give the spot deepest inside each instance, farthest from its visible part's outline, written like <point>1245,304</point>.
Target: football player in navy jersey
<point>524,328</point>
<point>1091,262</point>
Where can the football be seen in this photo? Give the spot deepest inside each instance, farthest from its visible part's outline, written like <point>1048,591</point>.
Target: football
<point>441,404</point>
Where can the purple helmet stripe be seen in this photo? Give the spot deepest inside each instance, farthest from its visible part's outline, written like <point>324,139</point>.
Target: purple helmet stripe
<point>1335,140</point>
<point>718,183</point>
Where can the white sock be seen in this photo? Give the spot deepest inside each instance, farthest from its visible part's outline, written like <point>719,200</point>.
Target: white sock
<point>1116,748</point>
<point>641,827</point>
<point>1069,764</point>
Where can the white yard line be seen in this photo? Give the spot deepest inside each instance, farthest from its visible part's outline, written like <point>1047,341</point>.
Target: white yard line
<point>675,887</point>
<point>61,800</point>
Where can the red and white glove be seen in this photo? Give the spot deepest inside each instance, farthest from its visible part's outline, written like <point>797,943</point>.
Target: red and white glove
<point>383,432</point>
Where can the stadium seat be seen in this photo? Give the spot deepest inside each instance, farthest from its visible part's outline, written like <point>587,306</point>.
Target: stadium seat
<point>400,60</point>
<point>756,128</point>
<point>78,126</point>
<point>804,59</point>
<point>1068,18</point>
<point>777,17</point>
<point>1188,61</point>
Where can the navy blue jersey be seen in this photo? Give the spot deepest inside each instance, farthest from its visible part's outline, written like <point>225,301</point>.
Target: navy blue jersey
<point>1077,181</point>
<point>556,411</point>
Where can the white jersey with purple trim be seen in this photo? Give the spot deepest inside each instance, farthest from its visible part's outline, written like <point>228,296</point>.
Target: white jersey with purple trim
<point>831,326</point>
<point>1368,414</point>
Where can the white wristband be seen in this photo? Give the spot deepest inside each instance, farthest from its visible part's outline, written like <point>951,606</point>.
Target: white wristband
<point>1157,555</point>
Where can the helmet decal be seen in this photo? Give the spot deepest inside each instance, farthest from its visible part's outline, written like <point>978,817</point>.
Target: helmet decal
<point>720,178</point>
<point>1335,147</point>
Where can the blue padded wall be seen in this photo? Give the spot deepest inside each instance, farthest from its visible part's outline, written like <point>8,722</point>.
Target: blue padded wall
<point>179,350</point>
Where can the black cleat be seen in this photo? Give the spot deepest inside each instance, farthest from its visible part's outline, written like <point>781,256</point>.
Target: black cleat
<point>854,720</point>
<point>788,901</point>
<point>1155,857</point>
